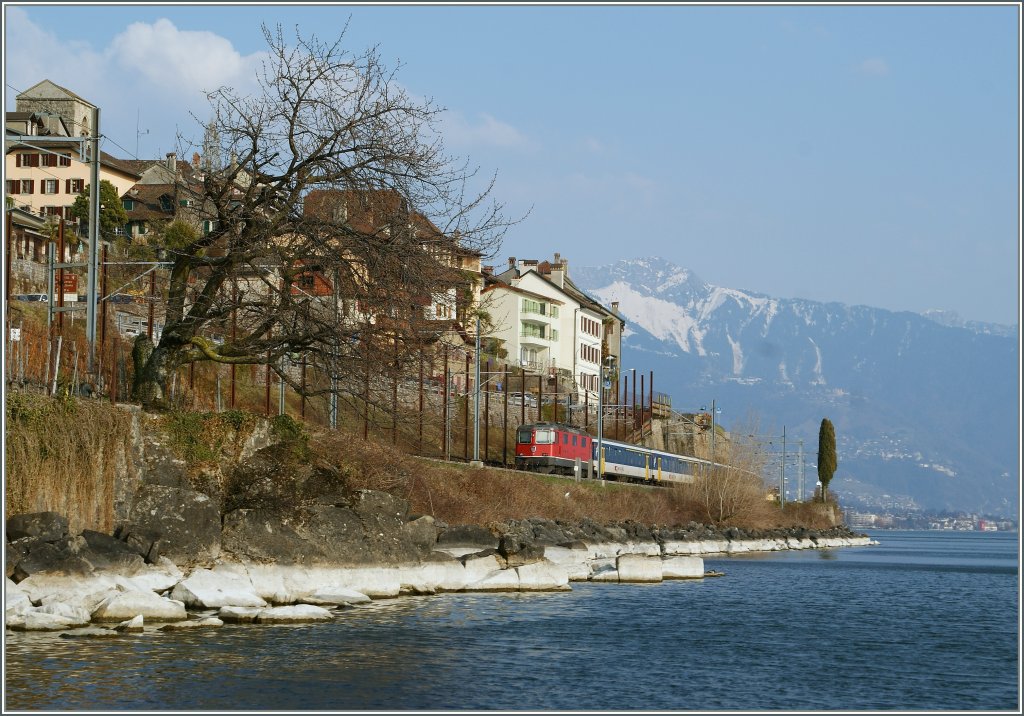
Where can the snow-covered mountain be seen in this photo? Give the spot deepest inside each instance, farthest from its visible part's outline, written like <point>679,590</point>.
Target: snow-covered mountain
<point>925,407</point>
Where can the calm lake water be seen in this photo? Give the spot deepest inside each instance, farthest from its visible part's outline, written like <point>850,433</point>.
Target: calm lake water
<point>925,620</point>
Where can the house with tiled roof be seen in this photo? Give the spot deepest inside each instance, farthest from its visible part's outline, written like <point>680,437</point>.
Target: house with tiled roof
<point>548,325</point>
<point>383,212</point>
<point>167,190</point>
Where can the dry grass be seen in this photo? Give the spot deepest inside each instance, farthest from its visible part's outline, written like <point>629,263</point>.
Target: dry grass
<point>64,455</point>
<point>459,494</point>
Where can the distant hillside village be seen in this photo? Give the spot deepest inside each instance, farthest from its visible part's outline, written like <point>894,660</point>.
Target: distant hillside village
<point>538,321</point>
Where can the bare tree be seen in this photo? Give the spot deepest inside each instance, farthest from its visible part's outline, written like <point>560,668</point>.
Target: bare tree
<point>331,219</point>
<point>732,490</point>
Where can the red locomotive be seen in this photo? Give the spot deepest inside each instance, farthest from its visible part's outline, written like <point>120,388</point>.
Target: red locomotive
<point>552,448</point>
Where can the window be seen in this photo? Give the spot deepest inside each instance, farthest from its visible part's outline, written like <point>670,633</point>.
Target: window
<point>49,186</point>
<point>48,160</point>
<point>64,160</point>
<point>525,435</point>
<point>574,441</point>
<point>74,186</point>
<point>28,186</point>
<point>27,159</point>
<point>554,311</point>
<point>545,437</point>
<point>165,203</point>
<point>128,204</point>
<point>13,186</point>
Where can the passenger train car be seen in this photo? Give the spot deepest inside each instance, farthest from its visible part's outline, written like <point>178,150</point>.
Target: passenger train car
<point>554,448</point>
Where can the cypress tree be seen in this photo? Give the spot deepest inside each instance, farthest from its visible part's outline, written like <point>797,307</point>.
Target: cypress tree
<point>826,454</point>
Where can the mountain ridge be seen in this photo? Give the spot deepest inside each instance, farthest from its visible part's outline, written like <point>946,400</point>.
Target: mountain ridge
<point>924,411</point>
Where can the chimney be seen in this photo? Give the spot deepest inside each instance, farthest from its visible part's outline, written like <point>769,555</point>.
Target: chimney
<point>615,306</point>
<point>172,162</point>
<point>195,160</point>
<point>511,262</point>
<point>557,260</point>
<point>488,270</point>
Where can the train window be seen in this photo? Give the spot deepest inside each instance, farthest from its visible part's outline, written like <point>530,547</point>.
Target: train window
<point>545,437</point>
<point>565,439</point>
<point>574,440</point>
<point>525,435</point>
<point>583,441</point>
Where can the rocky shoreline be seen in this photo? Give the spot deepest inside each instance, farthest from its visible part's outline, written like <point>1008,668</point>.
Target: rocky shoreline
<point>177,564</point>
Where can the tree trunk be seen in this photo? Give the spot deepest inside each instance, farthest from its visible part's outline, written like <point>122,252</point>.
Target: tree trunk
<point>152,368</point>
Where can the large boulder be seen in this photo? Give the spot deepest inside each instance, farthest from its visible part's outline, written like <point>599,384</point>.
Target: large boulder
<point>371,530</point>
<point>107,553</point>
<point>517,552</point>
<point>63,557</point>
<point>47,526</point>
<point>187,522</point>
<point>261,535</point>
<point>459,540</point>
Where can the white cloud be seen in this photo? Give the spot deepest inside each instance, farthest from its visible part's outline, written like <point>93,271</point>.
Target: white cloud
<point>32,54</point>
<point>184,61</point>
<point>874,66</point>
<point>487,131</point>
<point>150,77</point>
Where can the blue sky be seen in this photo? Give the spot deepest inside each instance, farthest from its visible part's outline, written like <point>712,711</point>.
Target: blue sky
<point>861,154</point>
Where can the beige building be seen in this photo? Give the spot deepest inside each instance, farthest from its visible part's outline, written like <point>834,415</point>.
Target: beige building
<point>44,178</point>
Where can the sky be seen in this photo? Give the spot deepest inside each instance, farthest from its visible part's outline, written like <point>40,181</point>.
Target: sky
<point>864,154</point>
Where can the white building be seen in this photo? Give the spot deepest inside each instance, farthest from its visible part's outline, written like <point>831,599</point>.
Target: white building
<point>547,324</point>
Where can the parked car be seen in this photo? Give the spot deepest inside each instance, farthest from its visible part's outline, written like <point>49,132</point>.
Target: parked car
<point>518,399</point>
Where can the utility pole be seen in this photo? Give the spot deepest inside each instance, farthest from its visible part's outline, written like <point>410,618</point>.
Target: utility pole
<point>782,487</point>
<point>476,401</point>
<point>94,244</point>
<point>800,484</point>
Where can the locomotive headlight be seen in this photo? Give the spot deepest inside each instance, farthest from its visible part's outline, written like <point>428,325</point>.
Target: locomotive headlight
<point>533,448</point>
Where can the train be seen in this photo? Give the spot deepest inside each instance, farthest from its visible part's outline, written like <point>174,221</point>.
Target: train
<point>555,448</point>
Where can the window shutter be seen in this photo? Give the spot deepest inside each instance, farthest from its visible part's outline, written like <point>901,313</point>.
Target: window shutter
<point>31,186</point>
<point>67,186</point>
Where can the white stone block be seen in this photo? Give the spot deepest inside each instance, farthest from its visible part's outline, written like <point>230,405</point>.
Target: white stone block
<point>41,621</point>
<point>125,605</point>
<point>239,615</point>
<point>71,611</point>
<point>135,625</point>
<point>206,589</point>
<point>293,614</point>
<point>542,576</point>
<point>335,595</point>
<point>638,568</point>
<point>500,580</point>
<point>682,567</point>
<point>208,622</point>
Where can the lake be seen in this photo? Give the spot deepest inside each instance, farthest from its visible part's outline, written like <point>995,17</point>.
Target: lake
<point>922,621</point>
